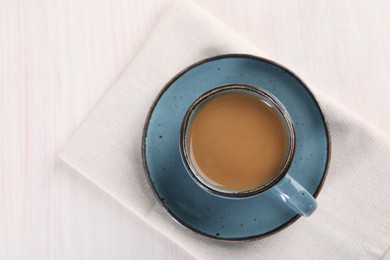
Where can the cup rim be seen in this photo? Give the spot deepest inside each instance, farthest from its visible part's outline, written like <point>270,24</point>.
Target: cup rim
<point>237,193</point>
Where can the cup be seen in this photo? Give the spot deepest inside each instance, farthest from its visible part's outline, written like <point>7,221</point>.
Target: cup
<point>282,185</point>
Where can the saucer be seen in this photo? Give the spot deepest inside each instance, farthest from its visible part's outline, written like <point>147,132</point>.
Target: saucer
<point>230,218</point>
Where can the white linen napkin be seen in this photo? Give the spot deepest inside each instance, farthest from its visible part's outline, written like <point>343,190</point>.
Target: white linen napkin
<point>353,218</point>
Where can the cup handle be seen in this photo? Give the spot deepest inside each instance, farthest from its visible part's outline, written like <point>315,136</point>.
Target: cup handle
<point>295,196</point>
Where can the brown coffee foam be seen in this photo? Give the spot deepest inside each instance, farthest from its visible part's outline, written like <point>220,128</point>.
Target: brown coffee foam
<point>237,141</point>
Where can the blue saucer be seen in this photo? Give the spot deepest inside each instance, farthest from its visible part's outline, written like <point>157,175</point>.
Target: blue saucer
<point>224,218</point>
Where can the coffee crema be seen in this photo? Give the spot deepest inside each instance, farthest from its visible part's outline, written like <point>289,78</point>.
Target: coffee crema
<point>237,141</point>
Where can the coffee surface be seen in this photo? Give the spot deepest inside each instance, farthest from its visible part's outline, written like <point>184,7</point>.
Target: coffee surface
<point>236,141</point>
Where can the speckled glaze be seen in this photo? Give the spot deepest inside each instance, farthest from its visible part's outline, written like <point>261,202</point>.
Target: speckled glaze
<point>227,218</point>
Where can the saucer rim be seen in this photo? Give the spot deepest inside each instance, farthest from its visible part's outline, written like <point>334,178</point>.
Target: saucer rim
<point>165,88</point>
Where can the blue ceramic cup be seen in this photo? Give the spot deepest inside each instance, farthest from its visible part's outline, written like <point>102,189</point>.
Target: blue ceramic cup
<point>282,185</point>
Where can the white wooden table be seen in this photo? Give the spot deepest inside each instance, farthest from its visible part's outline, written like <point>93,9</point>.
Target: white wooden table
<point>58,57</point>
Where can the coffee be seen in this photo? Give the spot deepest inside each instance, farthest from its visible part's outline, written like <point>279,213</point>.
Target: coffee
<point>237,141</point>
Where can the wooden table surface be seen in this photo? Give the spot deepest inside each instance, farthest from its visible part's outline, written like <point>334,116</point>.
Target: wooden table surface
<point>58,57</point>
